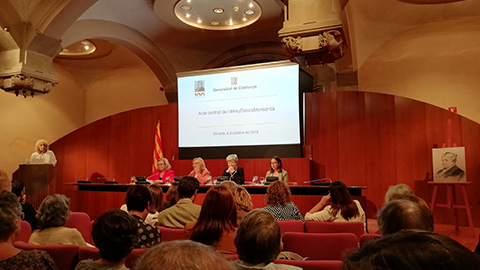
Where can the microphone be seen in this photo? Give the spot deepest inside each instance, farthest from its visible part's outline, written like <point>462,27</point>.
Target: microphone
<point>319,180</point>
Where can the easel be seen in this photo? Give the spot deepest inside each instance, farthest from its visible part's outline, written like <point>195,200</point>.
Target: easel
<point>451,200</point>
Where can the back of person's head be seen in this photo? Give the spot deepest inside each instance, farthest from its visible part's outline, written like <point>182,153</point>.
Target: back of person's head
<point>278,193</point>
<point>172,194</point>
<point>404,214</point>
<point>413,250</point>
<point>17,188</point>
<point>397,192</point>
<point>219,213</point>
<point>259,237</point>
<point>187,186</point>
<point>5,183</point>
<point>137,198</point>
<point>342,201</point>
<point>115,233</point>
<point>10,209</point>
<point>157,198</point>
<point>230,185</point>
<point>53,211</point>
<point>184,254</point>
<point>242,198</point>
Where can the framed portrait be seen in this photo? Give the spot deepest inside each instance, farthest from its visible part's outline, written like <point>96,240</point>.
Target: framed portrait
<point>449,164</point>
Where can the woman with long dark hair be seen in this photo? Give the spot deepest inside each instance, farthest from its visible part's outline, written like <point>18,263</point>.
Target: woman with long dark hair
<point>276,169</point>
<point>338,206</point>
<point>216,225</point>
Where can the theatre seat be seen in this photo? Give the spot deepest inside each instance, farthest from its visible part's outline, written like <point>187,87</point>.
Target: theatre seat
<point>365,238</point>
<point>313,264</point>
<point>356,228</point>
<point>88,253</point>
<point>320,246</point>
<point>64,256</point>
<point>291,226</point>
<point>133,257</point>
<point>170,234</point>
<point>81,222</point>
<point>25,232</point>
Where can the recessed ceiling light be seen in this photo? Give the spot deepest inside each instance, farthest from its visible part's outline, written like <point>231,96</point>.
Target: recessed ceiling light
<point>236,9</point>
<point>249,12</point>
<point>187,15</point>
<point>250,5</point>
<point>186,7</point>
<point>214,23</point>
<point>218,10</point>
<point>244,19</point>
<point>199,21</point>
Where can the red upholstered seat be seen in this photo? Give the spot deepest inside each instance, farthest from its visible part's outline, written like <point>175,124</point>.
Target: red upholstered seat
<point>64,256</point>
<point>291,226</point>
<point>313,264</point>
<point>133,257</point>
<point>356,228</point>
<point>25,232</point>
<point>88,253</point>
<point>81,222</point>
<point>320,246</point>
<point>365,238</point>
<point>170,234</point>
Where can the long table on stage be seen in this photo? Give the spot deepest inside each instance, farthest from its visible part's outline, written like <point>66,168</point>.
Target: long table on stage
<point>96,198</point>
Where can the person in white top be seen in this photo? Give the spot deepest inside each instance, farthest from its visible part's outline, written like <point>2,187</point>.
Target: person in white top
<point>338,206</point>
<point>42,155</point>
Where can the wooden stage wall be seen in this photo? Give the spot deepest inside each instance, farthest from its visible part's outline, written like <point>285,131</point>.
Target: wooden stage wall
<point>362,139</point>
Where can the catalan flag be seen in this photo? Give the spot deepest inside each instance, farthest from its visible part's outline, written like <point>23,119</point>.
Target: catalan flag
<point>158,150</point>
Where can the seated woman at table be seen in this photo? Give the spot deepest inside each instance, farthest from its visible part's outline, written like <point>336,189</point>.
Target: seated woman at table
<point>42,155</point>
<point>338,206</point>
<point>276,169</point>
<point>164,173</point>
<point>234,172</point>
<point>279,202</point>
<point>200,171</point>
<point>243,201</point>
<point>51,216</point>
<point>10,256</point>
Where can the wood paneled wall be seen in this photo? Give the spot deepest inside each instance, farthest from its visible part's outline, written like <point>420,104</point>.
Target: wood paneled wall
<point>359,138</point>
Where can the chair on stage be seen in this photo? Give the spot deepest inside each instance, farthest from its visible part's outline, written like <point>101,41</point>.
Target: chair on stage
<point>357,228</point>
<point>320,246</point>
<point>81,222</point>
<point>64,256</point>
<point>170,234</point>
<point>313,264</point>
<point>25,232</point>
<point>291,226</point>
<point>133,257</point>
<point>364,239</point>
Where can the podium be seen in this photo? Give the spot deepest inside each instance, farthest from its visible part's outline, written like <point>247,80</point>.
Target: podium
<point>36,178</point>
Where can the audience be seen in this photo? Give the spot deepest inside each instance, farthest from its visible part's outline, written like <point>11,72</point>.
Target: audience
<point>172,196</point>
<point>230,185</point>
<point>217,221</point>
<point>5,183</point>
<point>184,210</point>
<point>179,255</point>
<point>338,206</point>
<point>413,250</point>
<point>51,216</point>
<point>279,202</point>
<point>243,201</point>
<point>138,201</point>
<point>398,191</point>
<point>11,257</point>
<point>156,206</point>
<point>404,214</point>
<point>258,242</point>
<point>115,233</point>
<point>29,212</point>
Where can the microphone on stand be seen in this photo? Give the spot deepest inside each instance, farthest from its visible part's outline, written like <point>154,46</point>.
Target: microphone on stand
<point>319,180</point>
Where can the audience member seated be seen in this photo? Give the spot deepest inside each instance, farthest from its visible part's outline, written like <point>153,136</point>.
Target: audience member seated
<point>397,192</point>
<point>276,169</point>
<point>181,254</point>
<point>11,257</point>
<point>258,242</point>
<point>19,189</point>
<point>115,233</point>
<point>217,221</point>
<point>51,216</point>
<point>164,173</point>
<point>156,206</point>
<point>5,183</point>
<point>184,211</point>
<point>399,215</point>
<point>200,171</point>
<point>338,206</point>
<point>138,201</point>
<point>413,250</point>
<point>230,185</point>
<point>279,202</point>
<point>233,171</point>
<point>243,202</point>
<point>172,196</point>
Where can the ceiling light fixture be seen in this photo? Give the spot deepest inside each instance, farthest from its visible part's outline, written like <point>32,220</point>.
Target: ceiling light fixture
<point>220,14</point>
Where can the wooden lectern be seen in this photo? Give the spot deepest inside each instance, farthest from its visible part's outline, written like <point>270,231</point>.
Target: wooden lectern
<point>36,178</point>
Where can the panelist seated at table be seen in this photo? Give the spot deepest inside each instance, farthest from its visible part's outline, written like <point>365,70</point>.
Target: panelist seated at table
<point>42,155</point>
<point>163,173</point>
<point>200,171</point>
<point>276,170</point>
<point>234,172</point>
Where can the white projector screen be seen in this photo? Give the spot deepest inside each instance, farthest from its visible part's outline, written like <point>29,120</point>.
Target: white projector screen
<point>249,110</point>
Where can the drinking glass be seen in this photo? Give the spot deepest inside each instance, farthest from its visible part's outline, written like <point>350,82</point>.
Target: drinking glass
<point>255,180</point>
<point>133,179</point>
<point>262,180</point>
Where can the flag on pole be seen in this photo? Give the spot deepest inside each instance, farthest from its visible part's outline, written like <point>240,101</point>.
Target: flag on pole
<point>158,150</point>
